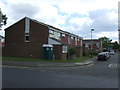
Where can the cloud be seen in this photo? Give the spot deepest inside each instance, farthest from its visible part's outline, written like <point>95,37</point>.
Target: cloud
<point>104,20</point>
<point>20,10</point>
<point>75,16</point>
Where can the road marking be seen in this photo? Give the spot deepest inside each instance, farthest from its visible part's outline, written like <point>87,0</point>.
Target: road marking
<point>113,66</point>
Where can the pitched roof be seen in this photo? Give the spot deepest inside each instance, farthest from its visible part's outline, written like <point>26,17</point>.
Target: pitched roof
<point>49,26</point>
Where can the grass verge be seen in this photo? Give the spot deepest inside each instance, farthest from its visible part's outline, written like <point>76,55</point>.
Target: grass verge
<point>41,60</point>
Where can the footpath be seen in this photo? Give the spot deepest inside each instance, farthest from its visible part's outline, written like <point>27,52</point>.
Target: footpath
<point>48,64</point>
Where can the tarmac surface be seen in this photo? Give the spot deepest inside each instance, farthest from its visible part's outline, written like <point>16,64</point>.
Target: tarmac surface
<point>48,64</point>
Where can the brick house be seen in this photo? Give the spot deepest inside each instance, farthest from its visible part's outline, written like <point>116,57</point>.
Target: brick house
<point>26,38</point>
<point>94,44</point>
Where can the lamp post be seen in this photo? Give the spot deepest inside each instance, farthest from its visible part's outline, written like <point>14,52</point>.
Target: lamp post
<point>91,41</point>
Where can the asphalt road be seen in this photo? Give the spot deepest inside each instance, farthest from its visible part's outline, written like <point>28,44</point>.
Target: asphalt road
<point>102,74</point>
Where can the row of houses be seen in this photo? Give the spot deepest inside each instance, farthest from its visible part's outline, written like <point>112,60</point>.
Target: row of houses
<point>26,38</point>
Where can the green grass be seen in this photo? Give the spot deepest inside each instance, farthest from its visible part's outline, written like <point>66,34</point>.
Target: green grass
<point>41,60</point>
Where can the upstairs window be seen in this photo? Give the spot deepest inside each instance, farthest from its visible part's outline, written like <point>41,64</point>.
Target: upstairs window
<point>27,29</point>
<point>97,44</point>
<point>27,25</point>
<point>72,37</point>
<point>76,41</point>
<point>63,35</point>
<point>51,32</point>
<point>86,45</point>
<point>69,39</point>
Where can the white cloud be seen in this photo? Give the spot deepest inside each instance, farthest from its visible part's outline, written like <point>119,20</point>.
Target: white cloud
<point>112,35</point>
<point>76,16</point>
<point>80,21</point>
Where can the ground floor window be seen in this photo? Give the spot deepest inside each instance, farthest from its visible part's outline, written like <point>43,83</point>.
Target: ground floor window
<point>26,37</point>
<point>64,49</point>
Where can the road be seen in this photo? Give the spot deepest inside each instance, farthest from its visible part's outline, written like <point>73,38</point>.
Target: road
<point>102,74</point>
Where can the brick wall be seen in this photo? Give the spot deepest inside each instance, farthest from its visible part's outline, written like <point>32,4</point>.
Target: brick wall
<point>15,45</point>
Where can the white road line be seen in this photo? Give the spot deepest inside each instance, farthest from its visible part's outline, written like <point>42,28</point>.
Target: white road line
<point>113,66</point>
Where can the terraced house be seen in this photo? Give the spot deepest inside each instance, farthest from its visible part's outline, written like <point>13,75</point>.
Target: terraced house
<point>94,45</point>
<point>26,38</point>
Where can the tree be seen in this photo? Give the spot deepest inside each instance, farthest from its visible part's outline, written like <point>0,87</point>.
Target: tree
<point>106,42</point>
<point>3,19</point>
<point>116,46</point>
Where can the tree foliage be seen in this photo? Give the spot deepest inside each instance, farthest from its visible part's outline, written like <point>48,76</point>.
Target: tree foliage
<point>72,50</point>
<point>116,46</point>
<point>106,42</point>
<point>3,19</point>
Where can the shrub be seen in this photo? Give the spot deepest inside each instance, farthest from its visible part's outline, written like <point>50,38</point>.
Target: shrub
<point>86,54</point>
<point>93,53</point>
<point>72,51</point>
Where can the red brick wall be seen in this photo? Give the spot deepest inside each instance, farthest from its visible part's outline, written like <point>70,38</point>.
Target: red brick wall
<point>57,50</point>
<point>73,42</point>
<point>65,39</point>
<point>15,45</point>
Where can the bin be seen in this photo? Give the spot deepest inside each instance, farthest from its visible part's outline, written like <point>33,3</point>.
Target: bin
<point>48,52</point>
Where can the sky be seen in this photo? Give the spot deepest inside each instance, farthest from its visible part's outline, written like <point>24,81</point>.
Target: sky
<point>75,16</point>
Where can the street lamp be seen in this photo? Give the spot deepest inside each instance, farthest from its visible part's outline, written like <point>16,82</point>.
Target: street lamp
<point>91,41</point>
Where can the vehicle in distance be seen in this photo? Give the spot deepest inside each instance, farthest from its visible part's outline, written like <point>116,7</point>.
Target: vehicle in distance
<point>103,56</point>
<point>111,52</point>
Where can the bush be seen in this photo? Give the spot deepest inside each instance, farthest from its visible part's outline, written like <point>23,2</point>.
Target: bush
<point>72,51</point>
<point>93,53</point>
<point>85,54</point>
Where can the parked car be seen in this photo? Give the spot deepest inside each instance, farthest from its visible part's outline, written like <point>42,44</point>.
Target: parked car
<point>107,54</point>
<point>103,56</point>
<point>112,52</point>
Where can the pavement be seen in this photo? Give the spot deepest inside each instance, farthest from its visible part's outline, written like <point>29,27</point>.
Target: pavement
<point>48,64</point>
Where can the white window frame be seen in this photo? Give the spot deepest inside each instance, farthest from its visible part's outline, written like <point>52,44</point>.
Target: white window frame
<point>76,41</point>
<point>64,49</point>
<point>27,29</point>
<point>72,37</point>
<point>81,42</point>
<point>27,25</point>
<point>86,45</point>
<point>97,44</point>
<point>63,35</point>
<point>51,32</point>
<point>69,39</point>
<point>27,35</point>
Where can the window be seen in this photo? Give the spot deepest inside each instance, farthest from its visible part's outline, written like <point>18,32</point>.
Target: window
<point>27,37</point>
<point>27,29</point>
<point>51,32</point>
<point>86,45</point>
<point>97,44</point>
<point>81,42</point>
<point>59,36</point>
<point>69,40</point>
<point>72,37</point>
<point>64,49</point>
<point>27,25</point>
<point>75,41</point>
<point>63,35</point>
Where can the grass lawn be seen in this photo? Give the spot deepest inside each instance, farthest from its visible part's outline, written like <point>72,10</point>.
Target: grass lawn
<point>40,60</point>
